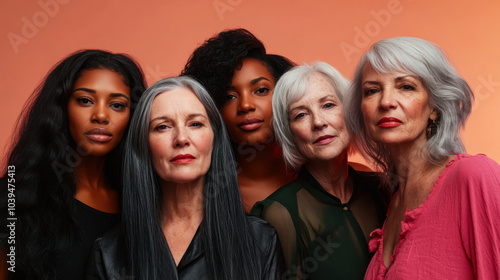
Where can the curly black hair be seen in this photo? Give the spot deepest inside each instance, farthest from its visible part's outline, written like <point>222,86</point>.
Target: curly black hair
<point>214,62</point>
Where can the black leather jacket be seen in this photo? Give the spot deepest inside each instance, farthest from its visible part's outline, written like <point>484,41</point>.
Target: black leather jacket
<point>107,258</point>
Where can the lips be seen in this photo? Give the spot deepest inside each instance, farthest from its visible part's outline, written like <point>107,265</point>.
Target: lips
<point>99,135</point>
<point>183,158</point>
<point>250,124</point>
<point>323,140</point>
<point>389,122</point>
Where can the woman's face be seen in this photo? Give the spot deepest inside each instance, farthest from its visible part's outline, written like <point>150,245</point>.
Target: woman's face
<point>248,110</point>
<point>395,107</point>
<point>317,122</point>
<point>98,111</point>
<point>180,137</point>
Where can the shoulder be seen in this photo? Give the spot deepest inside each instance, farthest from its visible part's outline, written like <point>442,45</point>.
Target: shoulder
<point>285,196</point>
<point>261,229</point>
<point>109,243</point>
<point>372,183</point>
<point>474,168</point>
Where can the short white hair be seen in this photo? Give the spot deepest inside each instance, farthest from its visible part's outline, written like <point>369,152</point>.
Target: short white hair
<point>290,88</point>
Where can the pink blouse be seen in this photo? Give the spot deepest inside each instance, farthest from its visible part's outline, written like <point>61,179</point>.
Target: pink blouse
<point>454,234</point>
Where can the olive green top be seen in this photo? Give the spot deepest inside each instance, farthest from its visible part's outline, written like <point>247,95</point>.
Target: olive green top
<point>321,237</point>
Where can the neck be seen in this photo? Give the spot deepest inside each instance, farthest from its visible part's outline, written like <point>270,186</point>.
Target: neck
<point>260,161</point>
<point>90,173</point>
<point>333,176</point>
<point>182,202</point>
<point>416,174</point>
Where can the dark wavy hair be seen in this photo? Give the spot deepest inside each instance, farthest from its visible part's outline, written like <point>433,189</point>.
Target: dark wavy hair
<point>226,236</point>
<point>213,63</point>
<point>44,155</point>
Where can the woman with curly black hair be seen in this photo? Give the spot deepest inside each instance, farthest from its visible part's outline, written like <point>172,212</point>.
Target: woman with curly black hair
<point>65,156</point>
<point>240,76</point>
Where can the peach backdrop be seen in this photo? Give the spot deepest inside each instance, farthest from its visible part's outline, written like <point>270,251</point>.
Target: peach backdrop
<point>161,34</point>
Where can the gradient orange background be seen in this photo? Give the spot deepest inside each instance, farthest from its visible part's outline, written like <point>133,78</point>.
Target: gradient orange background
<point>161,34</point>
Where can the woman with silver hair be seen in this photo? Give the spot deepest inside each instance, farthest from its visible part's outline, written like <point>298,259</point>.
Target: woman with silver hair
<point>407,105</point>
<point>182,212</point>
<point>323,218</point>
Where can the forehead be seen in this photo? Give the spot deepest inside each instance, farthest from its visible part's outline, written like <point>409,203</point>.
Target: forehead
<point>251,69</point>
<point>318,87</point>
<point>177,101</point>
<point>370,72</point>
<point>102,79</point>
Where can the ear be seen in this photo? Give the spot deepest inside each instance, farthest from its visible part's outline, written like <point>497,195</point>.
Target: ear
<point>434,115</point>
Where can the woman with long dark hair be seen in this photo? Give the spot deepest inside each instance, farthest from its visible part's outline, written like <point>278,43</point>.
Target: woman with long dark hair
<point>182,212</point>
<point>240,76</point>
<point>65,159</point>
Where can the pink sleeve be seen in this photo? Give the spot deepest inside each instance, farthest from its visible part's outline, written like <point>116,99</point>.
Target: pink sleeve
<point>480,214</point>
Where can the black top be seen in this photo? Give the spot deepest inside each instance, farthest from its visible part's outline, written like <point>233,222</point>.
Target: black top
<point>92,224</point>
<point>321,237</point>
<point>107,259</point>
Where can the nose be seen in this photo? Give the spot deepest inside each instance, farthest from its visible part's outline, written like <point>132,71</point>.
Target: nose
<point>388,99</point>
<point>181,138</point>
<point>100,114</point>
<point>246,103</point>
<point>318,122</point>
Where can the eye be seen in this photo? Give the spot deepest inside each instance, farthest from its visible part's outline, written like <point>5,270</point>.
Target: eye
<point>370,91</point>
<point>84,101</point>
<point>161,127</point>
<point>299,116</point>
<point>197,124</point>
<point>262,91</point>
<point>329,105</point>
<point>230,96</point>
<point>118,106</point>
<point>407,87</point>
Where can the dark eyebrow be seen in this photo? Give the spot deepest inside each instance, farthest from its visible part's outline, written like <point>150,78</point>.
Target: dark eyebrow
<point>252,82</point>
<point>94,92</point>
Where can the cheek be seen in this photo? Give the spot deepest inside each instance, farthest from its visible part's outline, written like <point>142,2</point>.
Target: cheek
<point>300,134</point>
<point>157,148</point>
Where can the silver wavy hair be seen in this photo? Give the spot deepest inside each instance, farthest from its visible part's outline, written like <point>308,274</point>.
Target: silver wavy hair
<point>449,95</point>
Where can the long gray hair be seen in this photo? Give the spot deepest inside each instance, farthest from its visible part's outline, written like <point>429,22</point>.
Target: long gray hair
<point>226,235</point>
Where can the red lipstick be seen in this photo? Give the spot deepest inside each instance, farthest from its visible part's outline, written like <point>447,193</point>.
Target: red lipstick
<point>183,158</point>
<point>99,135</point>
<point>250,124</point>
<point>323,140</point>
<point>389,122</point>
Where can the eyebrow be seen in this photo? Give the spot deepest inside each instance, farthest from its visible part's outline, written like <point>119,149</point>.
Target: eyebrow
<point>252,82</point>
<point>397,79</point>
<point>94,92</point>
<point>320,100</point>
<point>190,116</point>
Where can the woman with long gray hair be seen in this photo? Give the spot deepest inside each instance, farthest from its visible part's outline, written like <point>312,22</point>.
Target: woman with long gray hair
<point>182,212</point>
<point>407,105</point>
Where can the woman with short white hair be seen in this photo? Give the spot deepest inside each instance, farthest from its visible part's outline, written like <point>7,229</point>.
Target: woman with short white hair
<point>323,218</point>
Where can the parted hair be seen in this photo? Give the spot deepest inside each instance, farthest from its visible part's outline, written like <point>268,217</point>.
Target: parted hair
<point>449,95</point>
<point>227,238</point>
<point>43,153</point>
<point>290,88</point>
